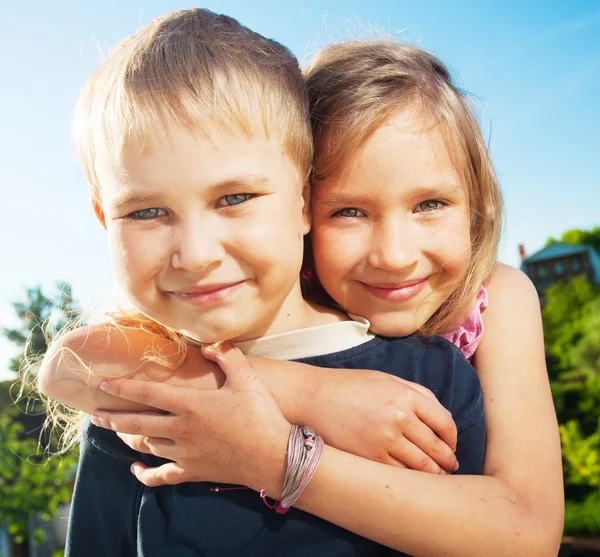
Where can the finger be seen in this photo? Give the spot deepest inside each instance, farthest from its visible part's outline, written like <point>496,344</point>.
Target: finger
<point>393,461</point>
<point>158,395</point>
<point>439,420</point>
<point>164,448</point>
<point>232,362</point>
<point>167,474</point>
<point>136,442</point>
<point>423,390</point>
<point>421,435</point>
<point>146,424</point>
<point>411,456</point>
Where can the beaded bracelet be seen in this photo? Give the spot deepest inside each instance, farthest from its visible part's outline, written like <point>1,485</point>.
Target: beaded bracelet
<point>305,449</point>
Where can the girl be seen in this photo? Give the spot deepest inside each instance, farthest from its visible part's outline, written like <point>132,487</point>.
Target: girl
<point>408,204</point>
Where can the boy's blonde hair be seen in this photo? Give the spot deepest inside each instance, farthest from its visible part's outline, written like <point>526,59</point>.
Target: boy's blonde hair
<point>356,87</point>
<point>198,69</point>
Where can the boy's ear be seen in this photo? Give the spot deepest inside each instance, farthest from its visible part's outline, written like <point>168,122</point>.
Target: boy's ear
<point>99,212</point>
<point>306,216</point>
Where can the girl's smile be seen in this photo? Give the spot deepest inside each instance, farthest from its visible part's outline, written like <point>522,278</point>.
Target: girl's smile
<point>391,236</point>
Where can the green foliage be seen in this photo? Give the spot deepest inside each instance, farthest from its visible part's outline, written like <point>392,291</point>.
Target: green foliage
<point>41,317</point>
<point>582,455</point>
<point>576,236</point>
<point>582,518</point>
<point>571,319</point>
<point>29,482</point>
<point>569,316</point>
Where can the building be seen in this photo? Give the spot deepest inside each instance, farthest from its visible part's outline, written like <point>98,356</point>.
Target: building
<point>560,261</point>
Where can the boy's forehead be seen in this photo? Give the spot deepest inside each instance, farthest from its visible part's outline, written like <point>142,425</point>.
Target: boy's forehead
<point>184,156</point>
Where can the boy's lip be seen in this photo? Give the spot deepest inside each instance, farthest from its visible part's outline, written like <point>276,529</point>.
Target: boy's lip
<point>395,291</point>
<point>207,294</point>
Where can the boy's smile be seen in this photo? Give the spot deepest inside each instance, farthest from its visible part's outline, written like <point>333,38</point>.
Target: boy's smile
<point>206,236</point>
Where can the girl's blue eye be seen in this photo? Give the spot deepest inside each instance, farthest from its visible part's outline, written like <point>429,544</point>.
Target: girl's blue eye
<point>349,212</point>
<point>233,200</point>
<point>147,214</point>
<point>430,205</point>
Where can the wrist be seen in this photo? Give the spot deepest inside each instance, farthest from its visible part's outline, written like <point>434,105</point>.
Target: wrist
<point>270,471</point>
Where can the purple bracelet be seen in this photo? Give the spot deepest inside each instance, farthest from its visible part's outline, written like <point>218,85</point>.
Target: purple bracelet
<point>305,449</point>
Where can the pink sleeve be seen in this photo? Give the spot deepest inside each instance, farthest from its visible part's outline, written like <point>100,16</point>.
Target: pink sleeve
<point>467,335</point>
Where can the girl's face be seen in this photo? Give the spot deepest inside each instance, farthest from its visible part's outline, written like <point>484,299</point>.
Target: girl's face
<point>391,238</point>
<point>206,237</point>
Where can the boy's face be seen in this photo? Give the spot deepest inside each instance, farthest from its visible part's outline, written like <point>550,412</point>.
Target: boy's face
<point>392,238</point>
<point>206,237</point>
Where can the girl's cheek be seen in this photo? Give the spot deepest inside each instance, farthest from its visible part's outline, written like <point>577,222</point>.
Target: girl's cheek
<point>335,249</point>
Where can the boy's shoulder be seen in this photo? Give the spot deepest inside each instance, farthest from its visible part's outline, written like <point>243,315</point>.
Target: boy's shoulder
<point>431,361</point>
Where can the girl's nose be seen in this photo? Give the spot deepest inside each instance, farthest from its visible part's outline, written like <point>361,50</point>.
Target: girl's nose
<point>394,247</point>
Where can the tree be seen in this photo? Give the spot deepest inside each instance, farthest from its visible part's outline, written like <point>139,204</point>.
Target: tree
<point>569,307</point>
<point>571,319</point>
<point>576,236</point>
<point>37,310</point>
<point>30,483</point>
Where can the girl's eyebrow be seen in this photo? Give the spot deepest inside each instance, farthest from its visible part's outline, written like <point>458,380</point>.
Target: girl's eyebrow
<point>449,189</point>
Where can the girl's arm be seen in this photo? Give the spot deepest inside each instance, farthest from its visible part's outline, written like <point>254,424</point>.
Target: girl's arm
<point>517,507</point>
<point>523,445</point>
<point>420,514</point>
<point>368,413</point>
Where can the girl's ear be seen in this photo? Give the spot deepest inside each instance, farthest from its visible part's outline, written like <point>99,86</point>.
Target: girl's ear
<point>99,212</point>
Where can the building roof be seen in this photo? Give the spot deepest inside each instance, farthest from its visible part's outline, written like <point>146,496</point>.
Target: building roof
<point>559,250</point>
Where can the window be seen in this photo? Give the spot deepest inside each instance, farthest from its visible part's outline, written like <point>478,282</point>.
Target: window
<point>559,268</point>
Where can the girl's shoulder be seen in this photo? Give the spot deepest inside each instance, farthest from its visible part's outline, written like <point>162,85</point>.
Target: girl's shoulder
<point>467,335</point>
<point>507,288</point>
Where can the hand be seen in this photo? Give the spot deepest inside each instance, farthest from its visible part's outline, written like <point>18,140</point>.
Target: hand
<point>235,434</point>
<point>383,418</point>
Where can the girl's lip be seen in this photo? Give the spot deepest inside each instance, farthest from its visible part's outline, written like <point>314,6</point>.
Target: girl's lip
<point>395,292</point>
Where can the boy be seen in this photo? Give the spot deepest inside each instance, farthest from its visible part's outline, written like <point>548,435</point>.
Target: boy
<point>194,137</point>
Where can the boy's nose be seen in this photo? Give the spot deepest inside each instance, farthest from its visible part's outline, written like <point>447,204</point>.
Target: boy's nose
<point>197,248</point>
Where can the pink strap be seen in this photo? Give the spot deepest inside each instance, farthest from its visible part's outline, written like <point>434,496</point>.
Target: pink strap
<point>468,334</point>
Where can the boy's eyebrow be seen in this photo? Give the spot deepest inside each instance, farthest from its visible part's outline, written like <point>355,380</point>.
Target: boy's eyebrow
<point>252,181</point>
<point>244,181</point>
<point>130,198</point>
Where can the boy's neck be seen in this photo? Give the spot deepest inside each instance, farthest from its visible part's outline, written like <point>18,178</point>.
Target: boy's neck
<point>295,314</point>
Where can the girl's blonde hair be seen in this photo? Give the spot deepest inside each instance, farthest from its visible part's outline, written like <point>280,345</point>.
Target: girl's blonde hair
<point>356,87</point>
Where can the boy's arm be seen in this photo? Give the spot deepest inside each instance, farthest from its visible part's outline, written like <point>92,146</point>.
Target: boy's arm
<point>102,521</point>
<point>342,404</point>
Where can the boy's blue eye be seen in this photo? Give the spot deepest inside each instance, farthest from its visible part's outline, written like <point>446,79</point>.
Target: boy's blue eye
<point>147,214</point>
<point>233,199</point>
<point>430,205</point>
<point>349,212</point>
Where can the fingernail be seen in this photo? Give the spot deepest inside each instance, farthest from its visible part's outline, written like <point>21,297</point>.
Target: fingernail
<point>96,420</point>
<point>455,467</point>
<point>104,385</point>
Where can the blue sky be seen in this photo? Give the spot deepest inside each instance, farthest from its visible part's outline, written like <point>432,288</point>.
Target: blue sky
<point>533,67</point>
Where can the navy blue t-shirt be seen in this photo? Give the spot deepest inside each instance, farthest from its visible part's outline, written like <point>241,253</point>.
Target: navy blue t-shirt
<point>113,515</point>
